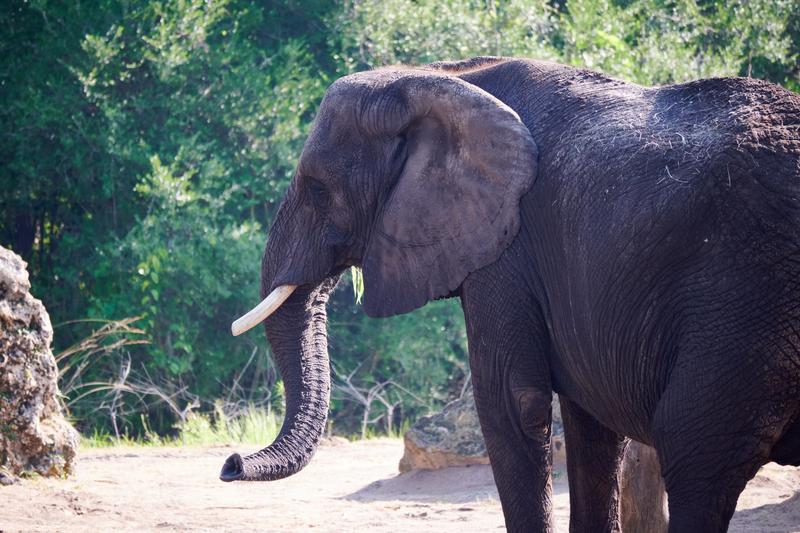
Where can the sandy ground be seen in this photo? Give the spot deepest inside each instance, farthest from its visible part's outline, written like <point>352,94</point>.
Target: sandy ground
<point>347,487</point>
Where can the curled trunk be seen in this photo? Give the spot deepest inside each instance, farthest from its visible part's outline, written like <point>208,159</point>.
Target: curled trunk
<point>298,336</point>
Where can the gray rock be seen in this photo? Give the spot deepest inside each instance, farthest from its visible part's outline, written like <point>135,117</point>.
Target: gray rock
<point>6,478</point>
<point>453,437</point>
<point>34,436</point>
<point>449,438</point>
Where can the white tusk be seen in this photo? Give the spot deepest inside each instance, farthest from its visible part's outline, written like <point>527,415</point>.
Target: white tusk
<point>260,312</point>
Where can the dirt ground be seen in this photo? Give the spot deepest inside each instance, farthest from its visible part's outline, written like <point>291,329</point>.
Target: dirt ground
<point>347,487</point>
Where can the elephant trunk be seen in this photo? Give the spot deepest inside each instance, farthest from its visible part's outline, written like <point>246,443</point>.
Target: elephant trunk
<point>297,333</point>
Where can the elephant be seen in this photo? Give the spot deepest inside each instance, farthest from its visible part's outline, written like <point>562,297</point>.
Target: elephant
<point>634,249</point>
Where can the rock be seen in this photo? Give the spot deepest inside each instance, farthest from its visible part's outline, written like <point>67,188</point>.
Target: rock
<point>6,478</point>
<point>449,438</point>
<point>453,438</point>
<point>34,436</point>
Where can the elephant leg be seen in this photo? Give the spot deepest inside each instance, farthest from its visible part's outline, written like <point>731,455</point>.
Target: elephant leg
<point>703,475</point>
<point>511,383</point>
<point>594,455</point>
<point>713,432</point>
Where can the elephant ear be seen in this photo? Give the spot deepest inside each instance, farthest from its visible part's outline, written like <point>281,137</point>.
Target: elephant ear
<point>454,207</point>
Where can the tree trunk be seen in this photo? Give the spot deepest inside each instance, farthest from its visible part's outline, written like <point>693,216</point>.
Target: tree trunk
<point>643,497</point>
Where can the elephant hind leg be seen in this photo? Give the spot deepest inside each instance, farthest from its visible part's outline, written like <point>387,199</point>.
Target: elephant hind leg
<point>594,454</point>
<point>787,450</point>
<point>703,487</point>
<point>713,431</point>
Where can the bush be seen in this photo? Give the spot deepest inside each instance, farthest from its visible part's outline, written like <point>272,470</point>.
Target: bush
<point>147,145</point>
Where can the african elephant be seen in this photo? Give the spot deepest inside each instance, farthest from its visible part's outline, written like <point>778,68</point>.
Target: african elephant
<point>634,249</point>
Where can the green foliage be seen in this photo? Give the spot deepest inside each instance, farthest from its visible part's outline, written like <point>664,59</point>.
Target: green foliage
<point>146,146</point>
<point>421,357</point>
<point>646,41</point>
<point>357,280</point>
<point>658,41</point>
<point>253,426</point>
<point>385,32</point>
<point>101,439</point>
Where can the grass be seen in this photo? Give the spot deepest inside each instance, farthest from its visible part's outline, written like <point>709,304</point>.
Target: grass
<point>397,432</point>
<point>251,426</point>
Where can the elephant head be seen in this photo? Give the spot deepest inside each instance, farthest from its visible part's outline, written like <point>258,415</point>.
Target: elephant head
<point>413,175</point>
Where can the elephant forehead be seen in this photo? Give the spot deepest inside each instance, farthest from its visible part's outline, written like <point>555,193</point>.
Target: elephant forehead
<point>334,119</point>
<point>371,101</point>
<point>374,79</point>
<point>331,130</point>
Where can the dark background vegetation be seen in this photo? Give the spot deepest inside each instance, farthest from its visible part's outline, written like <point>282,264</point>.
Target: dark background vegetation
<point>145,146</point>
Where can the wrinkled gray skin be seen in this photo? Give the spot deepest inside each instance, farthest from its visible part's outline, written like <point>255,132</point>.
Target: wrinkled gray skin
<point>633,249</point>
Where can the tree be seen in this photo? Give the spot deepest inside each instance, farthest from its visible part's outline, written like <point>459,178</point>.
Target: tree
<point>146,145</point>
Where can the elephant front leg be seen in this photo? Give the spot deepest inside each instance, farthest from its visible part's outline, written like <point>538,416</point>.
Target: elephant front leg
<point>511,383</point>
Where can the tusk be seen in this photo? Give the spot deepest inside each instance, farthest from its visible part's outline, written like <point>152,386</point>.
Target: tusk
<point>260,312</point>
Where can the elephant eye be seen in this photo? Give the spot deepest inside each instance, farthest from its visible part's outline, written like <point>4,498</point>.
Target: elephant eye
<point>319,193</point>
<point>400,151</point>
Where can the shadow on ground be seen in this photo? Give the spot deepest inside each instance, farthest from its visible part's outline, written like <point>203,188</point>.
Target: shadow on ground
<point>449,485</point>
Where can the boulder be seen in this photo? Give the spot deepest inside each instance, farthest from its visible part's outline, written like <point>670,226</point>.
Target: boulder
<point>453,437</point>
<point>34,436</point>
